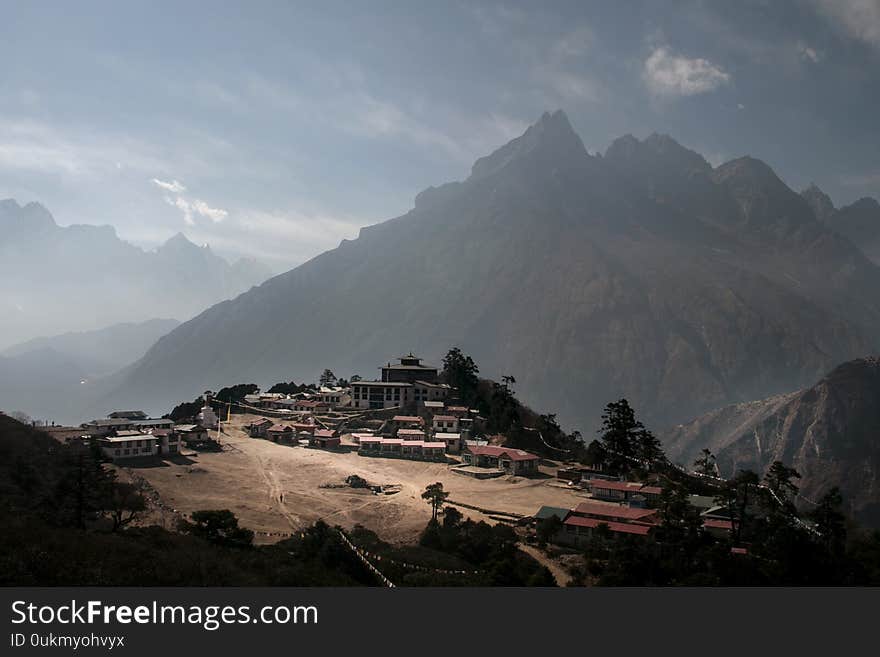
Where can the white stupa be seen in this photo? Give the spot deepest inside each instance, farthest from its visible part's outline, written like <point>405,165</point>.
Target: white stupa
<point>207,417</point>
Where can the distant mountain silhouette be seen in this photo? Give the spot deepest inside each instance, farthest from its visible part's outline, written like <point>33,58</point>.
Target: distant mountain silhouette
<point>76,278</point>
<point>642,273</point>
<point>51,378</point>
<point>830,432</point>
<point>859,221</point>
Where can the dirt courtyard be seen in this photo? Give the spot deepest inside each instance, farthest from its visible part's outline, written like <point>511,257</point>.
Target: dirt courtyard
<point>276,489</point>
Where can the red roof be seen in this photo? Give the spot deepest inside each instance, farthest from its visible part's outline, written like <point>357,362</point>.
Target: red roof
<point>323,433</point>
<point>718,524</point>
<point>445,418</point>
<point>410,432</point>
<point>631,486</point>
<point>280,428</point>
<point>614,511</point>
<point>621,527</point>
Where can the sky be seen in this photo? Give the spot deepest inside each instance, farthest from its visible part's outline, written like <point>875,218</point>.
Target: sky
<point>276,129</point>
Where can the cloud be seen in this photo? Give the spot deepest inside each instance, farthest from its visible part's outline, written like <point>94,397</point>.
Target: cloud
<point>189,207</point>
<point>809,54</point>
<point>173,186</point>
<point>860,19</point>
<point>214,214</point>
<point>667,74</point>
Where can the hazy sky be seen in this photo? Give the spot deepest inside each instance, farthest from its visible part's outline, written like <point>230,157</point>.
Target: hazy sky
<point>276,129</point>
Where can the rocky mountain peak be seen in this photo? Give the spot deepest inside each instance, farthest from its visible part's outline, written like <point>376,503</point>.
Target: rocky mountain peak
<point>866,204</point>
<point>31,217</point>
<point>551,140</point>
<point>821,203</point>
<point>658,164</point>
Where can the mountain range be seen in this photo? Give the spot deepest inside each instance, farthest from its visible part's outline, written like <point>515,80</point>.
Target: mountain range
<point>828,432</point>
<point>859,221</point>
<point>55,279</point>
<point>643,272</point>
<point>52,378</point>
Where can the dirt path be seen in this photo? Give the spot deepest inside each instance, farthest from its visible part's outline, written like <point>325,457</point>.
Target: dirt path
<point>559,574</point>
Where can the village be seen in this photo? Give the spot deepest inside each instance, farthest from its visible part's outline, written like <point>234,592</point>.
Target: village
<point>361,454</point>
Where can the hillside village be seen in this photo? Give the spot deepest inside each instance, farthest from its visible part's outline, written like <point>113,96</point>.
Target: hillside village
<point>410,414</point>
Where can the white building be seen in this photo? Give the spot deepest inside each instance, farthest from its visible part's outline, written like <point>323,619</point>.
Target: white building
<point>128,445</point>
<point>207,417</point>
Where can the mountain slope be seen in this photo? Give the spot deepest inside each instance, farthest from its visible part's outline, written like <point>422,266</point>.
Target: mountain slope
<point>102,351</point>
<point>53,377</point>
<point>829,432</point>
<point>859,222</point>
<point>641,273</point>
<point>80,278</point>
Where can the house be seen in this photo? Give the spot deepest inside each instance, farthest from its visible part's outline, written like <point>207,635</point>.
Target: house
<point>108,426</point>
<point>409,370</point>
<point>259,428</point>
<point>451,440</point>
<point>411,434</point>
<point>622,491</point>
<point>191,433</point>
<point>370,445</point>
<point>400,448</point>
<point>280,433</point>
<point>577,473</point>
<point>358,436</point>
<point>406,422</point>
<point>335,397</point>
<point>577,530</point>
<point>285,404</point>
<point>510,460</point>
<point>615,513</point>
<point>458,411</point>
<point>307,428</point>
<point>423,391</point>
<point>717,527</point>
<point>380,394</point>
<point>548,511</point>
<point>407,384</point>
<point>585,520</point>
<point>167,441</point>
<point>433,450</point>
<point>154,423</point>
<point>131,445</point>
<point>127,415</point>
<point>310,406</point>
<point>445,423</point>
<point>324,439</point>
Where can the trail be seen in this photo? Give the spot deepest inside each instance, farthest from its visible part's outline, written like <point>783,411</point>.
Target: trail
<point>275,491</point>
<point>559,574</point>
